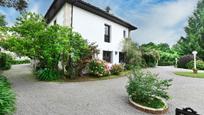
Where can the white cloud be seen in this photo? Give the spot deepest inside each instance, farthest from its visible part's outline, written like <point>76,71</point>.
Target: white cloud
<point>163,22</point>
<point>157,21</point>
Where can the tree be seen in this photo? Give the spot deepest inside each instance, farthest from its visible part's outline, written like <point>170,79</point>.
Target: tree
<point>133,55</point>
<point>33,38</point>
<point>19,5</point>
<point>149,45</point>
<point>3,29</point>
<point>2,20</point>
<point>79,56</point>
<point>49,45</point>
<point>194,33</point>
<point>163,53</point>
<point>150,57</point>
<point>182,46</point>
<point>163,47</point>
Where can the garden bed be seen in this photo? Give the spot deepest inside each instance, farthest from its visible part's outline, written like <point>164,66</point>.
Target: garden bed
<point>94,78</point>
<point>146,108</point>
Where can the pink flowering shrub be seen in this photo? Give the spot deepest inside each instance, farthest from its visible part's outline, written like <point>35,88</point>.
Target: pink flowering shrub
<point>99,68</point>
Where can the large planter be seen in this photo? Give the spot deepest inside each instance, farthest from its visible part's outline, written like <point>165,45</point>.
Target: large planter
<point>148,109</point>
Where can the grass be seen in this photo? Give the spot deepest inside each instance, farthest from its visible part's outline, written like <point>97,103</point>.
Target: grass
<point>94,78</point>
<point>155,103</point>
<point>190,74</point>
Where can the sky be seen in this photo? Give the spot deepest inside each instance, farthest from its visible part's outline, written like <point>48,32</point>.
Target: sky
<point>158,21</point>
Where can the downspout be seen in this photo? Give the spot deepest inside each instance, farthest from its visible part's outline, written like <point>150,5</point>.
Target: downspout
<point>72,12</point>
<point>129,33</point>
<point>69,63</point>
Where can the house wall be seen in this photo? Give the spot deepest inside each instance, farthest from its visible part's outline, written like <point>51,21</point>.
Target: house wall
<point>63,17</point>
<point>92,28</point>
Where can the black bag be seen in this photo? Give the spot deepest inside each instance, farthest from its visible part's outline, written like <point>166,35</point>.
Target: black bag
<point>186,111</point>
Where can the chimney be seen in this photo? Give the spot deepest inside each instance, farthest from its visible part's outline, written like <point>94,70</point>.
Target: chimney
<point>108,10</point>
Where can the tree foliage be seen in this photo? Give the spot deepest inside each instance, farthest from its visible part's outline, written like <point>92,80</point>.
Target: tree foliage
<point>19,5</point>
<point>80,54</point>
<point>194,39</point>
<point>2,20</point>
<point>133,55</point>
<point>166,54</point>
<point>160,47</point>
<point>150,57</point>
<point>32,37</point>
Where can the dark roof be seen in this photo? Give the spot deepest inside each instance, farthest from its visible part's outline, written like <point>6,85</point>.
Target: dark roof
<point>58,4</point>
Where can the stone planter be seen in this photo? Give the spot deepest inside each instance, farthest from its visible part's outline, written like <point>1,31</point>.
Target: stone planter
<point>148,109</point>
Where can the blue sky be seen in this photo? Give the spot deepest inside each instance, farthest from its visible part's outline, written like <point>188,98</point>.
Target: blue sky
<point>158,21</point>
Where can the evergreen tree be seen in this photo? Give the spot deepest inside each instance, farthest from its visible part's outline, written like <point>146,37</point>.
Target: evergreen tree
<point>19,5</point>
<point>194,33</point>
<point>2,20</point>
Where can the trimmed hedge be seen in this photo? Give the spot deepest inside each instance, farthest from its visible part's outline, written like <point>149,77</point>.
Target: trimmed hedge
<point>7,97</point>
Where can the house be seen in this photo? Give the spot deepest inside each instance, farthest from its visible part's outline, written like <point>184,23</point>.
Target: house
<point>94,24</point>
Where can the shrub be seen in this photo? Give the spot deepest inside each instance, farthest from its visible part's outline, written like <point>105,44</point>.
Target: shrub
<point>7,97</point>
<point>99,68</point>
<point>199,65</point>
<point>133,55</point>
<point>150,57</point>
<point>143,88</point>
<point>82,56</point>
<point>5,61</point>
<point>116,69</point>
<point>127,67</point>
<point>14,62</point>
<point>182,62</point>
<point>47,75</point>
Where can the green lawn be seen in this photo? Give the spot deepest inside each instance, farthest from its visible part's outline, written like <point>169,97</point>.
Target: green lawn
<point>190,74</point>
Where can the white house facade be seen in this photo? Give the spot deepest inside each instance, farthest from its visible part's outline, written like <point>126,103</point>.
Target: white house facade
<point>94,24</point>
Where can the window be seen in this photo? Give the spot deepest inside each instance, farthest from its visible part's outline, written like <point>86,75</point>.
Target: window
<point>124,34</point>
<point>121,57</point>
<point>107,56</point>
<point>107,33</point>
<point>55,22</point>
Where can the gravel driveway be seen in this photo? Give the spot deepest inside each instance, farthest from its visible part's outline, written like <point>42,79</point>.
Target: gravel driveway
<point>106,97</point>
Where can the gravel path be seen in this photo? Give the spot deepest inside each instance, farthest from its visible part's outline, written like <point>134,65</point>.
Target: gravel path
<point>106,97</point>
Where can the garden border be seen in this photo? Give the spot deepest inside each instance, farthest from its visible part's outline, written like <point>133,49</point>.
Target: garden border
<point>148,109</point>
